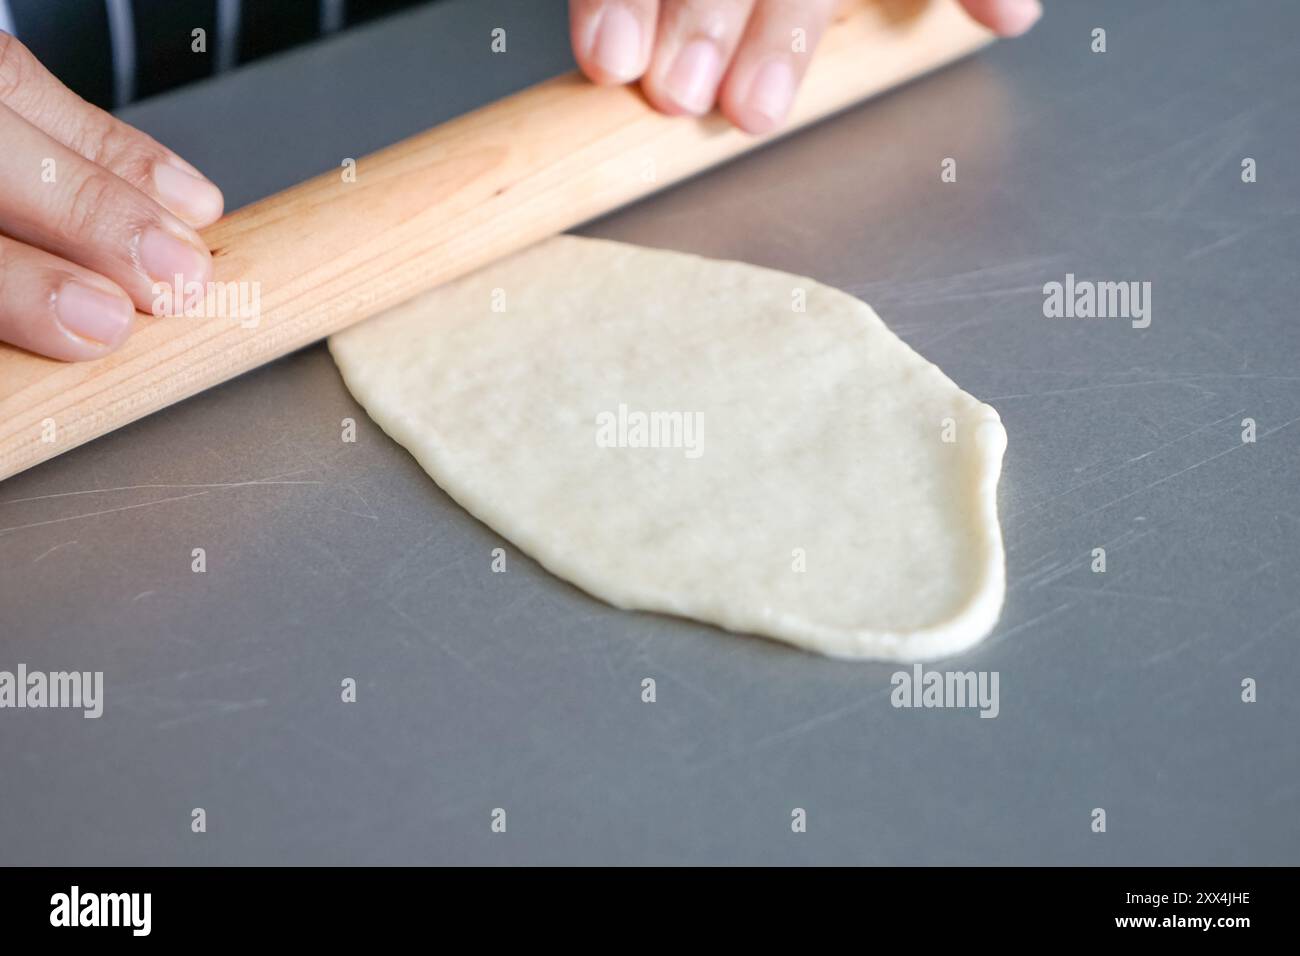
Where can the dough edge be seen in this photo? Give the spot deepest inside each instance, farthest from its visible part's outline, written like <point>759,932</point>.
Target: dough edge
<point>967,627</point>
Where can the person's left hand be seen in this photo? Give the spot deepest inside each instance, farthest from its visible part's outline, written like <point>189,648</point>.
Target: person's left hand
<point>689,54</point>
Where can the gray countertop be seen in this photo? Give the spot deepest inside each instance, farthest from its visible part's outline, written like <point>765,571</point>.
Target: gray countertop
<point>328,560</point>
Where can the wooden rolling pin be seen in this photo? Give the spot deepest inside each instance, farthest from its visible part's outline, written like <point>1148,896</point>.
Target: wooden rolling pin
<point>337,249</point>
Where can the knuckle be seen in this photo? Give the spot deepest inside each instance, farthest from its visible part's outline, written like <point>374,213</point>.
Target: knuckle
<point>89,207</point>
<point>14,63</point>
<point>100,141</point>
<point>107,143</point>
<point>712,18</point>
<point>135,164</point>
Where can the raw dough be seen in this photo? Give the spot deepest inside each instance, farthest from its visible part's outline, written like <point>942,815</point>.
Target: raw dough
<point>823,484</point>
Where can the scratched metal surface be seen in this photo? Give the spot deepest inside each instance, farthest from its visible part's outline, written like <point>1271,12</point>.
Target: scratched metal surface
<point>476,691</point>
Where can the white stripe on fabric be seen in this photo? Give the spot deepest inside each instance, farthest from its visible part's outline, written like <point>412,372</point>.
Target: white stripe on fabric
<point>6,19</point>
<point>331,15</point>
<point>228,16</point>
<point>121,32</point>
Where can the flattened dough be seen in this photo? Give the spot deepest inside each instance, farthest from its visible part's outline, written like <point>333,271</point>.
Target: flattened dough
<point>838,492</point>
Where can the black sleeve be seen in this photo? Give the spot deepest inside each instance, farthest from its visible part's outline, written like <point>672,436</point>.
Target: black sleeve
<point>74,40</point>
<point>71,38</point>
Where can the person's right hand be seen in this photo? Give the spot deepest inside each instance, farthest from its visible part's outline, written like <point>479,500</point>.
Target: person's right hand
<point>93,213</point>
<point>691,54</point>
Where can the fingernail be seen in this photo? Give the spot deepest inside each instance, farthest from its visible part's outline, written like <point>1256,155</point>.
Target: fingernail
<point>773,91</point>
<point>1019,15</point>
<point>195,200</point>
<point>91,314</point>
<point>692,81</point>
<point>165,258</point>
<point>182,164</point>
<point>617,47</point>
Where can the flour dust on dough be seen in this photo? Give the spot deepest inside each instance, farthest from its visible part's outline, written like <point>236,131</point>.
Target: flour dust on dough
<point>702,438</point>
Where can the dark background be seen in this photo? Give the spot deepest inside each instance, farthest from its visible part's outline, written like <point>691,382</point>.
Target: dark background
<point>71,37</point>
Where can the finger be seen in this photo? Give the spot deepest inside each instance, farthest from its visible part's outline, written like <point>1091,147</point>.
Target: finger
<point>58,201</point>
<point>770,62</point>
<point>56,308</point>
<point>32,92</point>
<point>611,38</point>
<point>1008,18</point>
<point>695,42</point>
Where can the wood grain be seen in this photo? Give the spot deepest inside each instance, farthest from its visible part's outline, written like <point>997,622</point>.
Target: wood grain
<point>328,253</point>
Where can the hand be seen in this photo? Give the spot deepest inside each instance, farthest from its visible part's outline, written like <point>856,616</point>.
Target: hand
<point>689,54</point>
<point>92,214</point>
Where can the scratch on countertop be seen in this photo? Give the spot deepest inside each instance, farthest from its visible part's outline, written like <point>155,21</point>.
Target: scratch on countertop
<point>1267,632</point>
<point>132,691</point>
<point>1118,468</point>
<point>987,282</point>
<point>443,645</point>
<point>1169,652</point>
<point>1055,571</point>
<point>1183,471</point>
<point>1172,376</point>
<point>1194,145</point>
<point>999,636</point>
<point>200,709</point>
<point>799,729</point>
<point>357,514</point>
<point>1135,595</point>
<point>156,487</point>
<point>1091,388</point>
<point>95,514</point>
<point>696,690</point>
<point>49,551</point>
<point>1227,240</point>
<point>1228,152</point>
<point>523,599</point>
